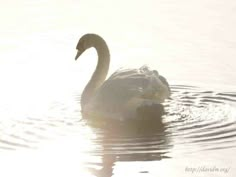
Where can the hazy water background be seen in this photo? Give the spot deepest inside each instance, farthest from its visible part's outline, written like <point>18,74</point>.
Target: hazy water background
<point>192,43</point>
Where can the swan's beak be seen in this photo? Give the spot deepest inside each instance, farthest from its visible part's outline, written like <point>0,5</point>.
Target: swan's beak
<point>79,52</point>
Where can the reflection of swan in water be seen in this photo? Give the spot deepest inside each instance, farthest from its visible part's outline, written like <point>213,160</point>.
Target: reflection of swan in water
<point>123,143</point>
<point>126,93</point>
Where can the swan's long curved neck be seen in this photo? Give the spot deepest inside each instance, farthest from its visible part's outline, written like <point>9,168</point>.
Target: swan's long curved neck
<point>99,74</point>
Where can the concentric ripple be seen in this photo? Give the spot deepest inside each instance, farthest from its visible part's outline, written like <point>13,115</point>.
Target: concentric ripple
<point>204,120</point>
<point>196,120</point>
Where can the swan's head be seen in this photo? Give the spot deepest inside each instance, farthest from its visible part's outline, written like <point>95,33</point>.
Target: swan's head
<point>82,45</point>
<point>87,41</point>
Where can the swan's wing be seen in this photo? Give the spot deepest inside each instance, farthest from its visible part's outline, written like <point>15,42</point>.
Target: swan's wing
<point>144,80</point>
<point>129,84</point>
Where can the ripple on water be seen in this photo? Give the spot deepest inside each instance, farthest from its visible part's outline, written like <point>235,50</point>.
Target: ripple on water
<point>195,120</point>
<point>205,123</point>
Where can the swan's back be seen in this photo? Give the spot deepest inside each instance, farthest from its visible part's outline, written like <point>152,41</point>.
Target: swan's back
<point>127,89</point>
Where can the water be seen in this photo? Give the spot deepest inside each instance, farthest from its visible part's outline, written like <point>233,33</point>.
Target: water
<point>191,43</point>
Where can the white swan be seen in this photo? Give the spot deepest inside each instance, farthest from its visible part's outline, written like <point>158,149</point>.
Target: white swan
<point>126,90</point>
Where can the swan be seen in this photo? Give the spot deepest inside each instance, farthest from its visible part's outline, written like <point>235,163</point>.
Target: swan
<point>126,92</point>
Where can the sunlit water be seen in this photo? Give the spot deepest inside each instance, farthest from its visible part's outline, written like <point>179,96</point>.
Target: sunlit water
<point>42,132</point>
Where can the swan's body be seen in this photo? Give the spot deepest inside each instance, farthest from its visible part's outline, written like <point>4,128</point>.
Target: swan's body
<point>124,92</point>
